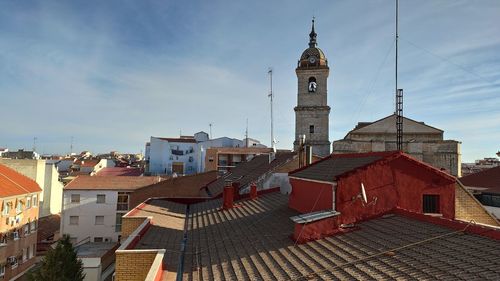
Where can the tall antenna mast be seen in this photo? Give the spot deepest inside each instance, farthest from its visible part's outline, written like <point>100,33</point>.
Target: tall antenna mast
<point>399,93</point>
<point>210,125</point>
<point>246,135</point>
<point>71,146</point>
<point>397,39</point>
<point>270,72</point>
<point>34,143</point>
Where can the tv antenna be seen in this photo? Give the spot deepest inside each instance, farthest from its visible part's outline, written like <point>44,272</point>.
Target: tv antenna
<point>398,92</point>
<point>210,125</point>
<point>364,198</point>
<point>271,95</point>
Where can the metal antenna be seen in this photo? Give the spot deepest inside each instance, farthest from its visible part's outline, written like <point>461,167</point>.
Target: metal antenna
<point>399,92</point>
<point>399,119</point>
<point>34,144</point>
<point>270,72</point>
<point>71,146</point>
<point>246,135</point>
<point>210,125</point>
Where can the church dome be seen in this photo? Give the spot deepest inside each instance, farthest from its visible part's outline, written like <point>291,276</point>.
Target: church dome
<point>313,56</point>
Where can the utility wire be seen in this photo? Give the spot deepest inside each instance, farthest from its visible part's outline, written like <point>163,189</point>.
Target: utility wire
<point>448,61</point>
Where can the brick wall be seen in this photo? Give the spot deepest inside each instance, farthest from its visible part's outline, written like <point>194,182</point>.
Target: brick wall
<point>467,208</point>
<point>134,265</point>
<point>129,224</point>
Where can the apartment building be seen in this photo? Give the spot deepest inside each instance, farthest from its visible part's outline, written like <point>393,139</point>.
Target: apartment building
<point>93,206</point>
<point>19,201</point>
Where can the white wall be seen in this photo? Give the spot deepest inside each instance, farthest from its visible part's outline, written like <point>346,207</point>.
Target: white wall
<point>87,210</point>
<point>92,269</point>
<point>494,210</point>
<point>52,193</point>
<point>161,157</point>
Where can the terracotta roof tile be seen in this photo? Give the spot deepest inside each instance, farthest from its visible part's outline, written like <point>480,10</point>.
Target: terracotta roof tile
<point>119,171</point>
<point>183,140</point>
<point>335,165</point>
<point>47,226</point>
<point>252,242</point>
<point>489,179</point>
<point>13,183</point>
<point>111,182</point>
<point>247,172</point>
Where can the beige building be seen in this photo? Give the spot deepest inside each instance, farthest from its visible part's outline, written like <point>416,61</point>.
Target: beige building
<point>19,202</point>
<point>420,140</point>
<point>47,177</point>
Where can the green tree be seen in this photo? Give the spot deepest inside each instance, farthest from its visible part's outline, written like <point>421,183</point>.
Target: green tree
<point>59,264</point>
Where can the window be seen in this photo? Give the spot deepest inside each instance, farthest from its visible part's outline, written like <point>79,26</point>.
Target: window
<point>12,260</point>
<point>32,250</point>
<point>101,198</point>
<point>35,201</point>
<point>118,225</point>
<point>75,198</point>
<point>98,239</point>
<point>311,129</point>
<point>2,270</point>
<point>26,229</point>
<point>28,202</point>
<point>33,226</point>
<point>122,202</point>
<point>5,208</point>
<point>73,220</point>
<point>431,204</point>
<point>25,254</point>
<point>15,235</point>
<point>19,206</point>
<point>99,220</point>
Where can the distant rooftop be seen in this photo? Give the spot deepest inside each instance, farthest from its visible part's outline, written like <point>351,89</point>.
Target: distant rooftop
<point>119,171</point>
<point>94,250</point>
<point>110,183</point>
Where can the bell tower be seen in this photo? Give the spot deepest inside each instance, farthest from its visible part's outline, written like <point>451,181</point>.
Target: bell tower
<point>312,111</point>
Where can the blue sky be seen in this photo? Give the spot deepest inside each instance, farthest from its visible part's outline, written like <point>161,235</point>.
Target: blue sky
<point>113,73</point>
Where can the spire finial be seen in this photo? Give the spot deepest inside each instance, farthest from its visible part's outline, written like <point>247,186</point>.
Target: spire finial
<point>312,35</point>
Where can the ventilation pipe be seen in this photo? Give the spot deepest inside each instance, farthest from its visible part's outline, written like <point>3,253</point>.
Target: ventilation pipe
<point>253,191</point>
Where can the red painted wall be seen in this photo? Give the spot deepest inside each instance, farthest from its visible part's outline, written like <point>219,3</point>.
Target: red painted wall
<point>399,183</point>
<point>308,196</point>
<point>380,192</point>
<point>413,181</point>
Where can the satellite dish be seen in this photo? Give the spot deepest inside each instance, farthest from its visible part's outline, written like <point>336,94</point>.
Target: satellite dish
<point>363,193</point>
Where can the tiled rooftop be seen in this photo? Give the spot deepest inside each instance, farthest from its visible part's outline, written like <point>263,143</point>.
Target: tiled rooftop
<point>111,182</point>
<point>119,171</point>
<point>252,242</point>
<point>166,232</point>
<point>489,179</point>
<point>247,172</point>
<point>337,164</point>
<point>13,183</point>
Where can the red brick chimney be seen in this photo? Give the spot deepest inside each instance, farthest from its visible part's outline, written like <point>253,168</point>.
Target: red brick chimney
<point>228,195</point>
<point>253,191</point>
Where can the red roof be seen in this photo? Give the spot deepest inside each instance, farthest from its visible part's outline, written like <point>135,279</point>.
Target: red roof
<point>87,162</point>
<point>110,183</point>
<point>13,183</point>
<point>119,171</point>
<point>489,179</point>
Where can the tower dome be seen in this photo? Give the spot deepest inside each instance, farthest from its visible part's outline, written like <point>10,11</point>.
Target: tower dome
<point>312,56</point>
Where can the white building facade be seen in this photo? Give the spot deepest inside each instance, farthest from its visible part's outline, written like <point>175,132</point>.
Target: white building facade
<point>185,155</point>
<point>93,206</point>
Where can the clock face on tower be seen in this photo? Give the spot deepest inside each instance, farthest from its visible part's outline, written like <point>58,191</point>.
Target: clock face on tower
<point>312,59</point>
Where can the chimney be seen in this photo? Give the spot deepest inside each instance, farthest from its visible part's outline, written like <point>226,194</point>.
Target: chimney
<point>253,191</point>
<point>236,190</point>
<point>228,195</point>
<point>308,154</point>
